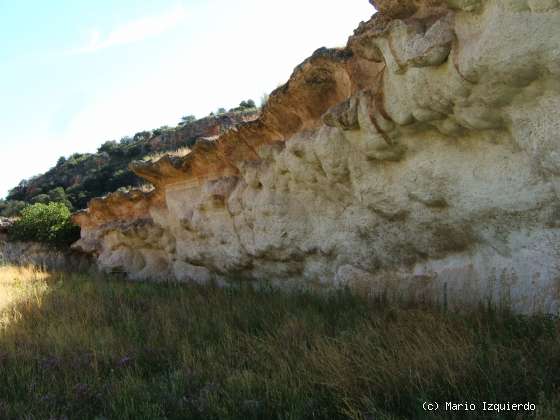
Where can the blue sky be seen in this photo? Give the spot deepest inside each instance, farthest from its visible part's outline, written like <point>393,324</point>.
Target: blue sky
<point>74,74</point>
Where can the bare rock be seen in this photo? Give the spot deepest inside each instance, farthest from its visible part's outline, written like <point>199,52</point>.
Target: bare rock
<point>423,159</point>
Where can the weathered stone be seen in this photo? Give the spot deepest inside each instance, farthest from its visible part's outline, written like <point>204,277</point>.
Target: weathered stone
<point>41,255</point>
<point>5,223</point>
<point>421,160</point>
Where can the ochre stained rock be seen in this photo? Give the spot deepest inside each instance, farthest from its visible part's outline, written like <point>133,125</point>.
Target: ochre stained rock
<point>423,159</point>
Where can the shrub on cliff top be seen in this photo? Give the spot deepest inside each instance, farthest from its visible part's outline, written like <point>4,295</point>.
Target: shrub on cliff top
<point>47,223</point>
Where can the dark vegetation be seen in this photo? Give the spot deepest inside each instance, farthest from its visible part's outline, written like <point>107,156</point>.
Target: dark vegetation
<point>46,223</point>
<point>79,178</point>
<point>105,349</point>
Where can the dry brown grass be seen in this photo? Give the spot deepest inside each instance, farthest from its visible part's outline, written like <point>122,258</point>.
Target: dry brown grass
<point>20,283</point>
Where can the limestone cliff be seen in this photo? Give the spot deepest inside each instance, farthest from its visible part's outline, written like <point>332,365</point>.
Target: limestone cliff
<point>423,159</point>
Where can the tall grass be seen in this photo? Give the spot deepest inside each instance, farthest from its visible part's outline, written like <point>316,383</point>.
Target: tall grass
<point>84,348</point>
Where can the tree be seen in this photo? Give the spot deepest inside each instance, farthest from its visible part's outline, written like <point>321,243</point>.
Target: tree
<point>61,161</point>
<point>247,104</point>
<point>141,136</point>
<point>162,129</point>
<point>109,147</point>
<point>75,159</point>
<point>19,193</point>
<point>221,111</point>
<point>40,198</point>
<point>264,99</point>
<point>188,119</point>
<point>48,223</point>
<point>112,148</point>
<point>58,195</point>
<point>11,208</point>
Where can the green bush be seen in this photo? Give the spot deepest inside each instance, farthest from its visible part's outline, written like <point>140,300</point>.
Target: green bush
<point>187,119</point>
<point>41,198</point>
<point>11,208</point>
<point>58,195</point>
<point>48,223</point>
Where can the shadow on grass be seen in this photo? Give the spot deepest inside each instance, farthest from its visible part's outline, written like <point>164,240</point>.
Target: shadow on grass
<point>84,347</point>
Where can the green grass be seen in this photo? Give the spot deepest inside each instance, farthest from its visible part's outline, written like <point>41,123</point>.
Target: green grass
<point>82,348</point>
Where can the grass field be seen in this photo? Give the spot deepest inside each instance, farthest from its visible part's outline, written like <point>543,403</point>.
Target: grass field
<point>76,347</point>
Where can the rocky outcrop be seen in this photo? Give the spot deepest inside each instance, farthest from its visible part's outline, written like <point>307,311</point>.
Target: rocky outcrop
<point>422,160</point>
<point>43,256</point>
<point>209,127</point>
<point>5,224</point>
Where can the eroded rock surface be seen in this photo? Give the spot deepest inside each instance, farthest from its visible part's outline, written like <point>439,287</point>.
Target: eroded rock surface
<point>423,159</point>
<point>43,256</point>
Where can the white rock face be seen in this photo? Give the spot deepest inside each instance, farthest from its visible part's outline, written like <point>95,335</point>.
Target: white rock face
<point>437,178</point>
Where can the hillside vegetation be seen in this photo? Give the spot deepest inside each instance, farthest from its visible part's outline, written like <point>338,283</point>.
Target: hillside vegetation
<point>77,347</point>
<point>79,178</point>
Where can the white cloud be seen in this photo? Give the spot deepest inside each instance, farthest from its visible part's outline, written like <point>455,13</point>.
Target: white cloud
<point>135,31</point>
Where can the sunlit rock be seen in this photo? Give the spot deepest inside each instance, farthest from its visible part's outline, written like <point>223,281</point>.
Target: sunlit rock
<point>422,160</point>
